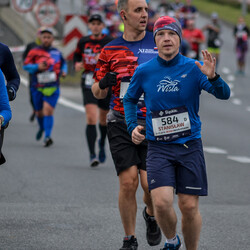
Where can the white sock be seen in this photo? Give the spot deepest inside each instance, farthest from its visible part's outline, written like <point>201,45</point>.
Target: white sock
<point>172,241</point>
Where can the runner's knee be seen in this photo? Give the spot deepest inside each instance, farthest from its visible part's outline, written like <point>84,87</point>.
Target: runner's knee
<point>128,184</point>
<point>188,207</point>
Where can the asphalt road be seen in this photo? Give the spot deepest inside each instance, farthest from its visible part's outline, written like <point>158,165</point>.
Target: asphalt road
<point>51,199</point>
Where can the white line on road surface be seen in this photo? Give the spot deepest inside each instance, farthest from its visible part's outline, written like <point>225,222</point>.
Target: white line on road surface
<point>236,101</point>
<point>70,104</point>
<point>24,81</point>
<point>214,150</point>
<point>225,70</point>
<point>231,86</point>
<point>230,78</point>
<point>241,159</point>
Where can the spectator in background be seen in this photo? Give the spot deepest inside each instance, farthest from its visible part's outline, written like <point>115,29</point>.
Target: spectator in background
<point>113,20</point>
<point>164,8</point>
<point>95,7</point>
<point>152,16</point>
<point>30,46</point>
<point>241,34</point>
<point>177,5</point>
<point>214,41</point>
<point>195,37</point>
<point>180,16</point>
<point>189,11</point>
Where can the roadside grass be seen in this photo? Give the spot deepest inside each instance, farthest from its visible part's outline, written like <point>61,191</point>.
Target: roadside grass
<point>73,79</point>
<point>226,13</point>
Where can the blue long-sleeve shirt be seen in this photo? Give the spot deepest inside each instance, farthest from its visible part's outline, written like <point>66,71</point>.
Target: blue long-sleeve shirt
<point>5,110</point>
<point>168,85</point>
<point>7,65</point>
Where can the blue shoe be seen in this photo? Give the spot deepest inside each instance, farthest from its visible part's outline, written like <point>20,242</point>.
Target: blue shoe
<point>94,162</point>
<point>168,246</point>
<point>39,134</point>
<point>102,155</point>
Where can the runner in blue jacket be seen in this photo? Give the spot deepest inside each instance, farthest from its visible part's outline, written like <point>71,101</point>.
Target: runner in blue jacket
<point>5,112</point>
<point>171,84</point>
<point>7,65</point>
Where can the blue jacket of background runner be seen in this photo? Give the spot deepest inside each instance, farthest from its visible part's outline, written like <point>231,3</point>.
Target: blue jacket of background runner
<point>7,65</point>
<point>5,110</point>
<point>168,85</point>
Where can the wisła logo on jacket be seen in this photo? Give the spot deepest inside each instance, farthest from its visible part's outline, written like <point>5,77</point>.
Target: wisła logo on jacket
<point>168,85</point>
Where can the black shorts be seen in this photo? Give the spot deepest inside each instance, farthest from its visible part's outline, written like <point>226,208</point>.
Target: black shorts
<point>124,152</point>
<point>88,98</point>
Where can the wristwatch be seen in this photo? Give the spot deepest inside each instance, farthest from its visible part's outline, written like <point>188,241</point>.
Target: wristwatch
<point>217,76</point>
<point>2,119</point>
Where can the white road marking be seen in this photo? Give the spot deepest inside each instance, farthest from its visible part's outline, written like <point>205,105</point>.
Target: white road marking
<point>225,70</point>
<point>248,109</point>
<point>214,150</point>
<point>231,86</point>
<point>236,101</point>
<point>230,78</point>
<point>241,159</point>
<point>24,81</point>
<point>71,104</point>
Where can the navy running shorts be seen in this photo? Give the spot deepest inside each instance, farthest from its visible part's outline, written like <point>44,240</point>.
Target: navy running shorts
<point>124,152</point>
<point>177,165</point>
<point>88,98</point>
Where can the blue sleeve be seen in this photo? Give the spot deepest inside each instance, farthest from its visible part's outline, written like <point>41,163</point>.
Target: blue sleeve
<point>130,101</point>
<point>64,66</point>
<point>9,69</point>
<point>130,110</point>
<point>31,68</point>
<point>5,110</point>
<point>220,89</point>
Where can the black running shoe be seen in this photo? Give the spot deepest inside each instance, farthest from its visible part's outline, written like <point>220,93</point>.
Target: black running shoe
<point>39,134</point>
<point>129,243</point>
<point>94,162</point>
<point>32,117</point>
<point>153,231</point>
<point>48,142</point>
<point>102,155</point>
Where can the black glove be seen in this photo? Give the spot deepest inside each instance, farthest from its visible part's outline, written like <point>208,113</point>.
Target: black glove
<point>11,93</point>
<point>108,80</point>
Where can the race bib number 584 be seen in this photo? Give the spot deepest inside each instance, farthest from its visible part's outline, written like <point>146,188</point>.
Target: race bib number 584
<point>171,124</point>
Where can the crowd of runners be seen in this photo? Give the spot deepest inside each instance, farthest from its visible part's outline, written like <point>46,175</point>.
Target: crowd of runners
<point>152,125</point>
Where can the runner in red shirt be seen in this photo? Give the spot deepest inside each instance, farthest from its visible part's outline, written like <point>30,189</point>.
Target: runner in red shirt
<point>194,36</point>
